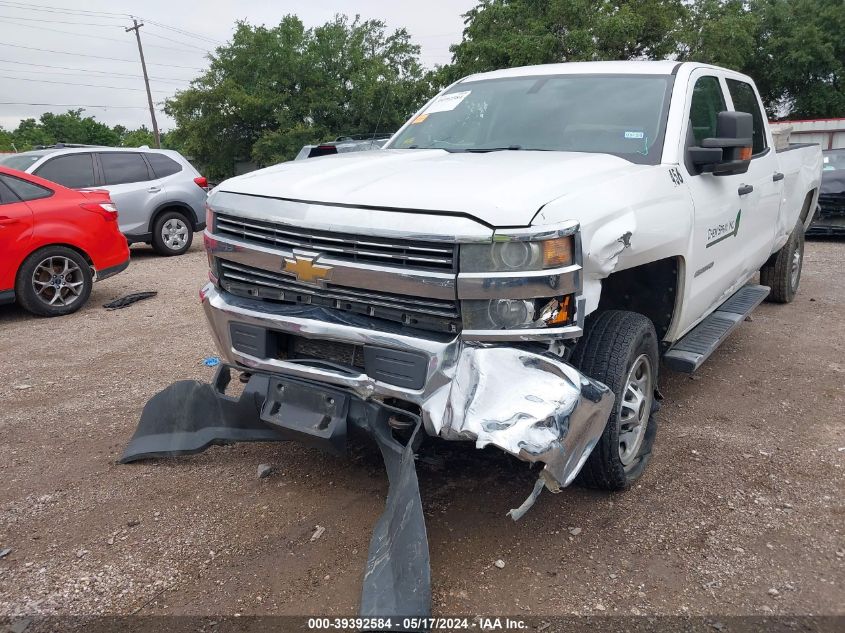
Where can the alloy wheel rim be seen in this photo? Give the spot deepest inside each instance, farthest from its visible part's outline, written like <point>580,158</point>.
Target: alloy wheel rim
<point>174,234</point>
<point>795,270</point>
<point>635,409</point>
<point>58,281</point>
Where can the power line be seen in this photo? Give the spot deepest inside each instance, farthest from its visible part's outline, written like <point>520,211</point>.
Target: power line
<point>184,32</point>
<point>71,83</point>
<point>48,9</point>
<point>74,105</point>
<point>113,59</point>
<point>98,72</point>
<point>14,17</point>
<point>170,39</point>
<point>111,75</point>
<point>98,37</point>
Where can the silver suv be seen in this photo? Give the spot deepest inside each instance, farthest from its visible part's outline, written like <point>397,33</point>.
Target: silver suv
<point>159,195</point>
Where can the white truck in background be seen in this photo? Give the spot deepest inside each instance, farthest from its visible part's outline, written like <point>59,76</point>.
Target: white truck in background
<point>509,270</point>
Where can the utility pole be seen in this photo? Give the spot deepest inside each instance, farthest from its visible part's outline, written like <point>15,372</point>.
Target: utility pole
<point>137,29</point>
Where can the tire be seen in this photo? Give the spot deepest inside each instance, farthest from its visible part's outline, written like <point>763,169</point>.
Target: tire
<point>782,273</point>
<point>618,347</point>
<point>172,233</point>
<point>53,281</point>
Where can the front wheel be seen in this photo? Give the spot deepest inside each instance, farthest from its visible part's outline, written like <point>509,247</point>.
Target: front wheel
<point>619,349</point>
<point>53,281</point>
<point>782,273</point>
<point>172,233</point>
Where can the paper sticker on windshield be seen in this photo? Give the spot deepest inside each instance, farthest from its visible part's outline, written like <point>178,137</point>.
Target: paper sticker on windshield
<point>419,119</point>
<point>630,134</point>
<point>448,102</point>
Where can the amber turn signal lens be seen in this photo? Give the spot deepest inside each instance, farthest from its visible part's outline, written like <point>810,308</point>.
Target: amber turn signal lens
<point>557,311</point>
<point>745,153</point>
<point>557,252</point>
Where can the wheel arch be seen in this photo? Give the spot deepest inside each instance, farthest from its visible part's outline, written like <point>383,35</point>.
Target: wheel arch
<point>74,247</point>
<point>172,205</point>
<point>806,217</point>
<point>81,251</point>
<point>650,289</point>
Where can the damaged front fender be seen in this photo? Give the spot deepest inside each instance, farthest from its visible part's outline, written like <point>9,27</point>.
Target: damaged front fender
<point>533,406</point>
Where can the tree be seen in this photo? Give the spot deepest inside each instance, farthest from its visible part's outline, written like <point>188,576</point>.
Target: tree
<point>271,90</point>
<point>794,49</point>
<point>136,138</point>
<point>6,141</point>
<point>72,127</point>
<point>799,65</point>
<point>505,33</point>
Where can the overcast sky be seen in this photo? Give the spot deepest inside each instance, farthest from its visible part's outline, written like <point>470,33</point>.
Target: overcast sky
<point>94,29</point>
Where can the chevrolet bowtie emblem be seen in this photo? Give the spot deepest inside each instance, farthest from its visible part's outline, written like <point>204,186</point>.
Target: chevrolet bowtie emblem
<point>306,270</point>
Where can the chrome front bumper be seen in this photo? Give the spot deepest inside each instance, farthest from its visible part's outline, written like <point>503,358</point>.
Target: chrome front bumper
<point>531,405</point>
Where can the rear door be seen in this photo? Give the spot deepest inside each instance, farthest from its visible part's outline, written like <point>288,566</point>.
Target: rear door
<point>15,231</point>
<point>75,171</point>
<point>762,175</point>
<point>134,189</point>
<point>723,208</point>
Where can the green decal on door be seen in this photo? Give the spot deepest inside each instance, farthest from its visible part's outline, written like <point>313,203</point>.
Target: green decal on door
<point>721,232</point>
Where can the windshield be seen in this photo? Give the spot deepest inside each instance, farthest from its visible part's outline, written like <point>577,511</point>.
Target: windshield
<point>613,114</point>
<point>833,174</point>
<point>20,161</point>
<point>834,160</point>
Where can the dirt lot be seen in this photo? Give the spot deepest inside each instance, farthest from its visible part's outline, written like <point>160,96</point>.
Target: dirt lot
<point>742,510</point>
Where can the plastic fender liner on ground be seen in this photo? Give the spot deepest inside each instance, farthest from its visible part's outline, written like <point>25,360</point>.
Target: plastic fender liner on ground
<point>397,582</point>
<point>189,416</point>
<point>128,300</point>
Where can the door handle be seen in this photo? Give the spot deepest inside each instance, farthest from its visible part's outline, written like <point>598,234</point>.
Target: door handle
<point>745,189</point>
<point>777,176</point>
<point>153,189</point>
<point>6,220</point>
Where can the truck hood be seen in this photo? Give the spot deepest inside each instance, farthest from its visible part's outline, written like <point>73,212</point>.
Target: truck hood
<point>504,188</point>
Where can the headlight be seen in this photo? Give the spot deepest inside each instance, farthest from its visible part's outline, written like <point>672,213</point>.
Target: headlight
<point>516,255</point>
<point>209,219</point>
<point>515,314</point>
<point>522,280</point>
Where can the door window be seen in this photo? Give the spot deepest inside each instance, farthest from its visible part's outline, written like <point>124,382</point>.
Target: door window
<point>72,170</point>
<point>23,189</point>
<point>123,167</point>
<point>162,165</point>
<point>707,102</point>
<point>6,195</point>
<point>746,101</point>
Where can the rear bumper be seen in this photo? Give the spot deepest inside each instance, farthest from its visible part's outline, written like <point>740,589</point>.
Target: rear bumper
<point>531,405</point>
<point>112,271</point>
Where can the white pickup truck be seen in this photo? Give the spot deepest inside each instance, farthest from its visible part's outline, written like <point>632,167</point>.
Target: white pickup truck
<point>509,270</point>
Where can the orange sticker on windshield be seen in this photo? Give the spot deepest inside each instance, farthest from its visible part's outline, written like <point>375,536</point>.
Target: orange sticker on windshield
<point>419,119</point>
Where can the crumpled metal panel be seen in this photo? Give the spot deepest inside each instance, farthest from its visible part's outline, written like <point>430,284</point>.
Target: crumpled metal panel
<point>532,406</point>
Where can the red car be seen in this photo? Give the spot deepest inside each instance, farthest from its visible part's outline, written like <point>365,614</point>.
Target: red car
<point>54,243</point>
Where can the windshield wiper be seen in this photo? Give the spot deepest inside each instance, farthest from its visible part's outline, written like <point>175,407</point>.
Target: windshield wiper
<point>482,150</point>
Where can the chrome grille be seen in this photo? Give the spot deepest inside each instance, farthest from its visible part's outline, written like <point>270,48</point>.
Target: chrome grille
<point>431,314</point>
<point>354,248</point>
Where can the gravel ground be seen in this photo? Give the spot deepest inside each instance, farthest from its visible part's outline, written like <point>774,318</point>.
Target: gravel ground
<point>741,512</point>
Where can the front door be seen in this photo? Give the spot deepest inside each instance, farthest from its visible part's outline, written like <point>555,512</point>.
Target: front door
<point>724,208</point>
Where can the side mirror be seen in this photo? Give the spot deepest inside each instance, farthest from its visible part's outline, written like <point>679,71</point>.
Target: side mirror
<point>730,151</point>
